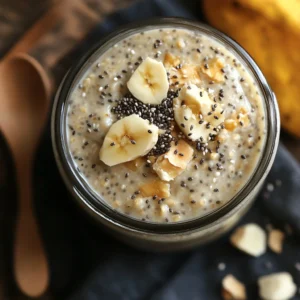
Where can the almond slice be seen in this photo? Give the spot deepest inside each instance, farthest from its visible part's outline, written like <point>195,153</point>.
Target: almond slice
<point>275,240</point>
<point>155,188</point>
<point>250,239</point>
<point>277,286</point>
<point>212,69</point>
<point>174,162</point>
<point>233,289</point>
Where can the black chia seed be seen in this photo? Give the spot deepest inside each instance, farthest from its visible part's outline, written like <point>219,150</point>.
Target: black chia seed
<point>160,115</point>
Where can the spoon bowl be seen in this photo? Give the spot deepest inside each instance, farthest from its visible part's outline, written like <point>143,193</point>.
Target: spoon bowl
<point>25,94</point>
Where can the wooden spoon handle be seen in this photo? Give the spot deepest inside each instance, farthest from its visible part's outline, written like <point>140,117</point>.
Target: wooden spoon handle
<point>31,267</point>
<point>61,29</point>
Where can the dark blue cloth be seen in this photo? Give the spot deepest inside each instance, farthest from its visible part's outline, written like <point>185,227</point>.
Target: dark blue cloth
<point>86,263</point>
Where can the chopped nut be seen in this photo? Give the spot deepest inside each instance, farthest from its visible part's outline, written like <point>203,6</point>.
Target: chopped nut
<point>178,160</point>
<point>170,165</point>
<point>187,73</point>
<point>212,70</point>
<point>155,188</point>
<point>243,119</point>
<point>233,289</point>
<point>222,136</point>
<point>277,286</point>
<point>275,240</point>
<point>165,170</point>
<point>171,60</point>
<point>230,124</point>
<point>250,238</point>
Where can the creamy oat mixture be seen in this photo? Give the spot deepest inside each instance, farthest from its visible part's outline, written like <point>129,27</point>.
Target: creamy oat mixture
<point>166,126</point>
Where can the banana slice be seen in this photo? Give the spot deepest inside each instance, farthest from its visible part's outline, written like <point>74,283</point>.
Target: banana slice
<point>174,162</point>
<point>149,83</point>
<point>128,139</point>
<point>195,114</point>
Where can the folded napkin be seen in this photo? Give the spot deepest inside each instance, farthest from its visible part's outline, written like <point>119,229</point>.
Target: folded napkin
<point>86,263</point>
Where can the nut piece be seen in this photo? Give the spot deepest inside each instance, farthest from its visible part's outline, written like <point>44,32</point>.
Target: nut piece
<point>181,74</point>
<point>171,60</point>
<point>233,289</point>
<point>165,170</point>
<point>174,162</point>
<point>275,240</point>
<point>250,238</point>
<point>212,69</point>
<point>156,188</point>
<point>278,286</point>
<point>230,124</point>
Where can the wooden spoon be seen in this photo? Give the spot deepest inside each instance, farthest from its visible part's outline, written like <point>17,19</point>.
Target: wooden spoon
<point>24,105</point>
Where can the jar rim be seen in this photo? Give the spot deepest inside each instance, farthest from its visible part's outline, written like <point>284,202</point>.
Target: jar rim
<point>101,210</point>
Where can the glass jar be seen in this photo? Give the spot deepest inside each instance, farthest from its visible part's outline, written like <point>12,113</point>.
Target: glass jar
<point>154,236</point>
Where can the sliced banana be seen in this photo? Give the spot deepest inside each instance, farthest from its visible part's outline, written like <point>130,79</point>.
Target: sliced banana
<point>128,139</point>
<point>195,114</point>
<point>149,83</point>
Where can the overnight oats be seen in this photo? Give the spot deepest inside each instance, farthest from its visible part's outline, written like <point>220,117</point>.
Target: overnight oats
<point>165,132</point>
<point>166,126</point>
